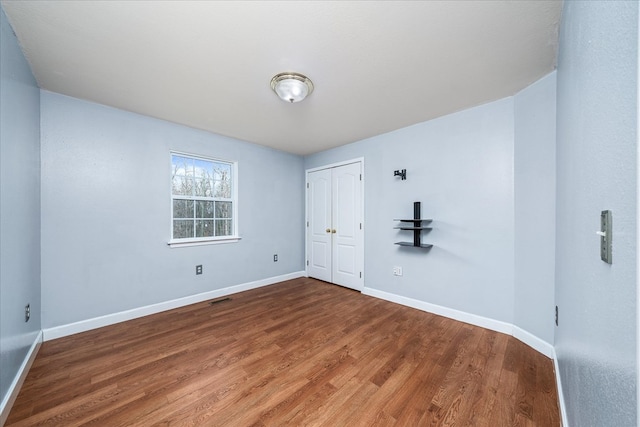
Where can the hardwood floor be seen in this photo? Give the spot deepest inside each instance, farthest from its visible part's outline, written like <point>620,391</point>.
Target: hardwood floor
<point>301,352</point>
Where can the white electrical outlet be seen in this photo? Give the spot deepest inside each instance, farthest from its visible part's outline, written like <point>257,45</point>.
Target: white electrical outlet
<point>397,271</point>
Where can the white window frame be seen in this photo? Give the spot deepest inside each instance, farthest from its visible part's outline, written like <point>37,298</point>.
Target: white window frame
<point>211,240</point>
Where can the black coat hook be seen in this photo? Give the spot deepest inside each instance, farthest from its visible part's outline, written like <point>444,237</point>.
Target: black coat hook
<point>402,174</point>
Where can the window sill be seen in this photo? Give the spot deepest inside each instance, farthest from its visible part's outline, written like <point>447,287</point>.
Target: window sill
<point>186,243</point>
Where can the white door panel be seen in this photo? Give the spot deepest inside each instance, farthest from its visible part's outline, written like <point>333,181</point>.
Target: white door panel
<point>319,258</point>
<point>346,221</point>
<point>319,217</point>
<point>345,260</point>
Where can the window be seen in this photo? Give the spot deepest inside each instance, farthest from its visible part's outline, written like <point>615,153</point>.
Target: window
<point>203,207</point>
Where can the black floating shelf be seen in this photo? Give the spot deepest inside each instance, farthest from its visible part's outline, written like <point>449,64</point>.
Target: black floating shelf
<point>412,228</point>
<point>414,246</point>
<point>416,227</point>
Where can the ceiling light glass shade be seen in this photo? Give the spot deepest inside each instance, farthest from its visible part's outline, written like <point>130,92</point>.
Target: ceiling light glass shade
<point>291,87</point>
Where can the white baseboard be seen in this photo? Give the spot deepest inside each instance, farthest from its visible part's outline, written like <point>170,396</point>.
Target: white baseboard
<point>528,338</point>
<point>484,322</point>
<point>534,342</point>
<point>110,319</point>
<point>16,384</point>
<point>563,408</point>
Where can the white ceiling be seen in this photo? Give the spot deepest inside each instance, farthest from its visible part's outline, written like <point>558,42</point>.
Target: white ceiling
<point>376,66</point>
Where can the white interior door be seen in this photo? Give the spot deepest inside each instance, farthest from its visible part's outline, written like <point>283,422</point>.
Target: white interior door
<point>335,237</point>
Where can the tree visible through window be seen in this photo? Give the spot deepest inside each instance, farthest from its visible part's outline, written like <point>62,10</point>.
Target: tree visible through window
<point>201,197</point>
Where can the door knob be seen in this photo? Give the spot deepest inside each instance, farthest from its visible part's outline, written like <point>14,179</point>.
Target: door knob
<point>333,231</point>
<point>328,230</point>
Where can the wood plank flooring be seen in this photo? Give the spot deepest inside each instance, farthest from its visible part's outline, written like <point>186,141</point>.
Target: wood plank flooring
<point>301,352</point>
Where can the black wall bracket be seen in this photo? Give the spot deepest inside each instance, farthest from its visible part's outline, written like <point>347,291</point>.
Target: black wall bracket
<point>401,173</point>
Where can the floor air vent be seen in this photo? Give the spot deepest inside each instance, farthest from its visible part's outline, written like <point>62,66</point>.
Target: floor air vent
<point>216,301</point>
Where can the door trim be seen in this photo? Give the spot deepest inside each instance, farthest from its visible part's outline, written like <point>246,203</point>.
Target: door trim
<point>362,204</point>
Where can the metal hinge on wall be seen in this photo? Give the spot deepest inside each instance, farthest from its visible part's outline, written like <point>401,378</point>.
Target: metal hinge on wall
<point>307,263</point>
<point>307,185</point>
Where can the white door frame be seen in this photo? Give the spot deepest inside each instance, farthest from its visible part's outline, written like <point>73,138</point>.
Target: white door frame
<point>306,209</point>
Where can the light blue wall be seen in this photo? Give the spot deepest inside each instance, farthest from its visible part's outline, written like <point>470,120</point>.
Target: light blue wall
<point>461,168</point>
<point>19,206</point>
<point>597,170</point>
<point>535,207</point>
<point>487,177</point>
<point>106,212</point>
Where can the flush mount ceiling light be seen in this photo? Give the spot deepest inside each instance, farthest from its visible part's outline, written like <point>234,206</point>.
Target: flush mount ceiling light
<point>291,87</point>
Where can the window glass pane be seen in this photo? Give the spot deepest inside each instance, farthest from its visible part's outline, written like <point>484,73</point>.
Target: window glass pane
<point>203,188</point>
<point>223,210</point>
<point>204,228</point>
<point>183,208</point>
<point>222,189</point>
<point>222,172</point>
<point>208,191</point>
<point>182,229</point>
<point>182,166</point>
<point>203,169</point>
<point>204,209</point>
<point>223,227</point>
<point>181,186</point>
